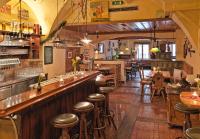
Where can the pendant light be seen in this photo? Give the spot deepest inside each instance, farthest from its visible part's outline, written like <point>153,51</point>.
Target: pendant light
<point>20,38</point>
<point>78,43</point>
<point>155,48</point>
<point>86,40</point>
<point>57,41</point>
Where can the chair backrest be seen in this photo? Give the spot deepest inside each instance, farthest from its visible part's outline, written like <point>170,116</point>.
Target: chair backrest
<point>141,72</point>
<point>158,80</point>
<point>177,74</point>
<point>83,67</point>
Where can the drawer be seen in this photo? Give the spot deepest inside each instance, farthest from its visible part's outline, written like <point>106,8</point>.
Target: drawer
<point>5,92</point>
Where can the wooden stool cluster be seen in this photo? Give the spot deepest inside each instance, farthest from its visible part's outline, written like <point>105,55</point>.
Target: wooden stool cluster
<point>97,103</point>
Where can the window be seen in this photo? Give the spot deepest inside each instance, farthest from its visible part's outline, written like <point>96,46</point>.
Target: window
<point>171,48</point>
<point>142,50</point>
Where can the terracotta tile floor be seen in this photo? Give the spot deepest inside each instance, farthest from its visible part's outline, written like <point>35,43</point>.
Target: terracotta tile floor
<point>136,117</point>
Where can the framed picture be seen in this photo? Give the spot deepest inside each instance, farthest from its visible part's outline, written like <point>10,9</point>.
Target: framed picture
<point>48,55</point>
<point>86,52</point>
<point>69,55</point>
<point>101,48</point>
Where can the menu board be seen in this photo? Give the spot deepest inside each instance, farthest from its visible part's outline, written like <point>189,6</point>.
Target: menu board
<point>48,55</point>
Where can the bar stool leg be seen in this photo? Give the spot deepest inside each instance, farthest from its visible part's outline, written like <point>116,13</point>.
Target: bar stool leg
<point>187,122</point>
<point>108,114</point>
<point>97,122</point>
<point>65,134</point>
<point>83,124</point>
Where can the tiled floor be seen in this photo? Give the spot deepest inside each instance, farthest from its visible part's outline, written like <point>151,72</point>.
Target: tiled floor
<point>136,117</point>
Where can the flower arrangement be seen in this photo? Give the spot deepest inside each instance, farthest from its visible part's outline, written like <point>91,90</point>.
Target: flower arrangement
<point>75,61</point>
<point>197,80</point>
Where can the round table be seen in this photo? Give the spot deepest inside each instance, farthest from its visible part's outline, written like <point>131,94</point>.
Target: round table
<point>191,98</point>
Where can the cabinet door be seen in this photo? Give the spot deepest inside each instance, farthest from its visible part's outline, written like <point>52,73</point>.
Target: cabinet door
<point>5,92</point>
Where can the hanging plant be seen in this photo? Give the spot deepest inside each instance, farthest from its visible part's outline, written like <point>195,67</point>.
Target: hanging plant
<point>52,34</point>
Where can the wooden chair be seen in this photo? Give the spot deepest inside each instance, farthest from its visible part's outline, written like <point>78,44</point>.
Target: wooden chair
<point>144,81</point>
<point>83,67</point>
<point>158,85</point>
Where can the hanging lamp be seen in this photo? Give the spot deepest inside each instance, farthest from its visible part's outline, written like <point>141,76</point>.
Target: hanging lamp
<point>155,48</point>
<point>85,39</point>
<point>20,38</point>
<point>57,41</point>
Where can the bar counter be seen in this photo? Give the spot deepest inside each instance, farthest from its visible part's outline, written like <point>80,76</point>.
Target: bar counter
<point>32,111</point>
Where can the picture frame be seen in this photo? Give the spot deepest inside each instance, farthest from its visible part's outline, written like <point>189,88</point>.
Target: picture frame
<point>101,48</point>
<point>48,55</point>
<point>86,52</point>
<point>69,55</point>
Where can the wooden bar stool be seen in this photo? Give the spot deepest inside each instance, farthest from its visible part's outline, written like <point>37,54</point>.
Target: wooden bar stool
<point>107,112</point>
<point>83,108</point>
<point>98,121</point>
<point>65,121</point>
<point>187,112</point>
<point>193,133</point>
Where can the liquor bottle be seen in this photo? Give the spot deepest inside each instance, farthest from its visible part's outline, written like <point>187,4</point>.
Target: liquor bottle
<point>40,30</point>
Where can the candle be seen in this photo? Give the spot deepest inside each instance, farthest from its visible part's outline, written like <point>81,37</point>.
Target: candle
<point>195,94</point>
<point>61,81</point>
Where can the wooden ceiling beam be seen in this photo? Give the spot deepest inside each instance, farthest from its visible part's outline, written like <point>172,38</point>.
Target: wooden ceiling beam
<point>129,32</point>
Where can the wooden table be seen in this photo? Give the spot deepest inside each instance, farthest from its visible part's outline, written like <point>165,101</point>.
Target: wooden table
<point>105,70</point>
<point>191,98</point>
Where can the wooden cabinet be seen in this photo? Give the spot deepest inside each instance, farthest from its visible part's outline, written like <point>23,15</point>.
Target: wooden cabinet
<point>174,117</point>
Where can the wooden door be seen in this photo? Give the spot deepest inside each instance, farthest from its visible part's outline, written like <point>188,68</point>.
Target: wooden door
<point>71,53</point>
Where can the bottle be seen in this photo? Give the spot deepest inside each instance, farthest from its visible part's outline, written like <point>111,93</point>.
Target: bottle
<point>40,30</point>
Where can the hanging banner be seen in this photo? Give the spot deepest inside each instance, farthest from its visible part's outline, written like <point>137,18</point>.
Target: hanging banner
<point>99,10</point>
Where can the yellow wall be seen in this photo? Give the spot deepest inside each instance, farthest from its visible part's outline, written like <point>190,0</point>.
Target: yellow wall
<point>194,59</point>
<point>58,66</point>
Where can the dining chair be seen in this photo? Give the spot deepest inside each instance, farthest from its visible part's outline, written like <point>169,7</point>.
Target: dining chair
<point>158,85</point>
<point>144,80</point>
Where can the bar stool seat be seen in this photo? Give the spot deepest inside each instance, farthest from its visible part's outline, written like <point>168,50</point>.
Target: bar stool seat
<point>193,133</point>
<point>107,112</point>
<point>96,97</point>
<point>65,121</point>
<point>83,107</point>
<point>183,108</point>
<point>98,120</point>
<point>106,89</point>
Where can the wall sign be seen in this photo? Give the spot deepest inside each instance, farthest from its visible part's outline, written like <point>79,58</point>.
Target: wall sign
<point>6,9</point>
<point>48,55</point>
<point>99,10</point>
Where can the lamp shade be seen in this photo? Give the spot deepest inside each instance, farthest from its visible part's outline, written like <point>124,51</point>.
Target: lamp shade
<point>155,50</point>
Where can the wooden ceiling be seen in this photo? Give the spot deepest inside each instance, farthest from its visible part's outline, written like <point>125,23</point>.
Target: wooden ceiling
<point>147,26</point>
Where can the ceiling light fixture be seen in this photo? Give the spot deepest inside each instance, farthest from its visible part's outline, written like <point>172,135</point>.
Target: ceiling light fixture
<point>86,40</point>
<point>57,41</point>
<point>155,48</point>
<point>20,38</point>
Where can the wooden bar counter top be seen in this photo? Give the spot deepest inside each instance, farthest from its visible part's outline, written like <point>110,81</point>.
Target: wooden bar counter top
<point>34,110</point>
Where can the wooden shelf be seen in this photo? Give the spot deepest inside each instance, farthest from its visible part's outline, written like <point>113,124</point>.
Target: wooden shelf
<point>4,32</point>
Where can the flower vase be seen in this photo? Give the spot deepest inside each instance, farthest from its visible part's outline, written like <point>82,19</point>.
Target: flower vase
<point>39,87</point>
<point>74,69</point>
